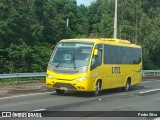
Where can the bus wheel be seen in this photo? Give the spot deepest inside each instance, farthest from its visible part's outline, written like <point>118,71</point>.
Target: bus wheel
<point>96,89</point>
<point>60,92</point>
<point>127,86</point>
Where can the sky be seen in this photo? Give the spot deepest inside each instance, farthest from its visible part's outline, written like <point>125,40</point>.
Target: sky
<point>85,2</point>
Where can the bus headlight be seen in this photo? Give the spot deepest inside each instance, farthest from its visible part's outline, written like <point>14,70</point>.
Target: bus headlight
<point>50,77</point>
<point>81,79</point>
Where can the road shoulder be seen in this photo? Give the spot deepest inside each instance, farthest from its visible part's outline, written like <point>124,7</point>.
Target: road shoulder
<point>22,88</point>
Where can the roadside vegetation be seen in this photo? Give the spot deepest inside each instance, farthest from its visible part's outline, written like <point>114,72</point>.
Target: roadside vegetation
<point>21,80</point>
<point>29,29</point>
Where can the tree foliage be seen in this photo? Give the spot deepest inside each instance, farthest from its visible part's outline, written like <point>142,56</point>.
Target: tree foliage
<point>30,28</point>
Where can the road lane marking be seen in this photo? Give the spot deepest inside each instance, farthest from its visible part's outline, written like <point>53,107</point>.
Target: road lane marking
<point>157,118</point>
<point>146,81</point>
<point>153,90</point>
<point>26,95</point>
<point>150,80</point>
<point>37,110</point>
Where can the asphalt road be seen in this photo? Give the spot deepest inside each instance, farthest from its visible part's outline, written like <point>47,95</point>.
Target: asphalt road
<point>143,97</point>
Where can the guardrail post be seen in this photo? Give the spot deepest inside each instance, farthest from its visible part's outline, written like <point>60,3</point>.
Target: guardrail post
<point>143,74</point>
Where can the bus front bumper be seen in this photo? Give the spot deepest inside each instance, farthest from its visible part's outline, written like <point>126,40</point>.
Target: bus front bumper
<point>73,85</point>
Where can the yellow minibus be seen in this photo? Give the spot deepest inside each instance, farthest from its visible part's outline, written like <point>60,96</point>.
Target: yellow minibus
<point>92,65</point>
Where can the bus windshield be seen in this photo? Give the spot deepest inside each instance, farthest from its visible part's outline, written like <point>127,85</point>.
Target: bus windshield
<point>71,55</point>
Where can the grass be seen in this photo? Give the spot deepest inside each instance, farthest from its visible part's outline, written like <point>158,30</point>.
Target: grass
<point>21,80</point>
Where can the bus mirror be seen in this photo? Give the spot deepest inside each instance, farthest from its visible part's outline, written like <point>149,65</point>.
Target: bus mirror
<point>96,52</point>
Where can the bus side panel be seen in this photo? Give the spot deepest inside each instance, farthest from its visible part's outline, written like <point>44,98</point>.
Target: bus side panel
<point>136,74</point>
<point>132,71</point>
<point>108,77</point>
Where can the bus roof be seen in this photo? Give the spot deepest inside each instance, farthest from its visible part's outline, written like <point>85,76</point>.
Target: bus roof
<point>111,41</point>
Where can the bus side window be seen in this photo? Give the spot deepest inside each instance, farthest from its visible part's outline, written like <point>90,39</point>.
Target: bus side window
<point>97,60</point>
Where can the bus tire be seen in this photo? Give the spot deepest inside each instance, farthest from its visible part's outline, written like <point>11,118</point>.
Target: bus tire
<point>97,89</point>
<point>127,86</point>
<point>60,92</point>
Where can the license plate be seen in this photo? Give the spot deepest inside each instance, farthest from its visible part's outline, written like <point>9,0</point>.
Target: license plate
<point>63,88</point>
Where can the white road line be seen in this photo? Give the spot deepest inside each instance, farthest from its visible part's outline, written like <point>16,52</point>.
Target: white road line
<point>151,80</point>
<point>149,91</point>
<point>38,110</point>
<point>26,95</point>
<point>146,81</point>
<point>157,118</point>
<point>124,94</point>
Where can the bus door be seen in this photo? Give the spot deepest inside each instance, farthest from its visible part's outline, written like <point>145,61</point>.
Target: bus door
<point>96,63</point>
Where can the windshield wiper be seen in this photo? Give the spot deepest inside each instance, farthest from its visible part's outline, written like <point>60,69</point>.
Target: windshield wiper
<point>60,62</point>
<point>72,60</point>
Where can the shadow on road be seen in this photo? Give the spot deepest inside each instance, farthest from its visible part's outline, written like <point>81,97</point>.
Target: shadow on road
<point>102,93</point>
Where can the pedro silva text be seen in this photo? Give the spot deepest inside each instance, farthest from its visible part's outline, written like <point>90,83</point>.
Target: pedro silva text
<point>147,115</point>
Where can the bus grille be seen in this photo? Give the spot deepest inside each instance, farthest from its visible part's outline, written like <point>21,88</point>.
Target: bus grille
<point>66,85</point>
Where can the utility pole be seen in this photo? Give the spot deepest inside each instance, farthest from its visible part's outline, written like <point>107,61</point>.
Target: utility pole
<point>115,21</point>
<point>67,24</point>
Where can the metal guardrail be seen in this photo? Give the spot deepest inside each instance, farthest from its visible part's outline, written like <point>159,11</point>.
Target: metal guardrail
<point>43,74</point>
<point>21,75</point>
<point>151,73</point>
